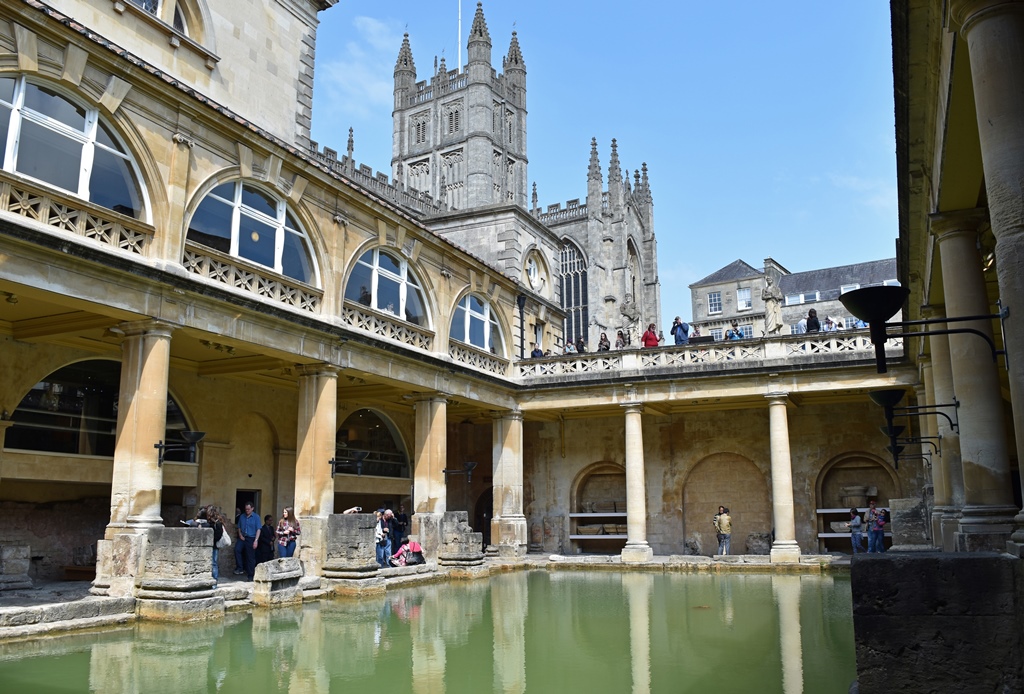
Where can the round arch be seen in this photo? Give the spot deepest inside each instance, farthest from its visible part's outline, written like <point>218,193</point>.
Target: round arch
<point>371,431</point>
<point>856,468</point>
<point>427,289</point>
<point>599,484</point>
<point>725,479</point>
<point>499,316</point>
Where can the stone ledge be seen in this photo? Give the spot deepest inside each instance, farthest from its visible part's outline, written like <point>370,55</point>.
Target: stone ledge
<point>35,630</point>
<point>86,608</point>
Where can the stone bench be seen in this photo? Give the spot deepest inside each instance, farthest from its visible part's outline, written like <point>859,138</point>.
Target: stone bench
<point>277,582</point>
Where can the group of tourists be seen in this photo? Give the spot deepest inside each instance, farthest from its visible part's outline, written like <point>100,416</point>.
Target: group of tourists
<point>390,533</point>
<point>874,523</point>
<point>256,542</point>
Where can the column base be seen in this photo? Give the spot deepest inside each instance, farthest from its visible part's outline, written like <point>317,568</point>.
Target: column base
<point>984,528</point>
<point>949,528</point>
<point>637,554</point>
<point>785,552</point>
<point>1018,533</point>
<point>508,536</point>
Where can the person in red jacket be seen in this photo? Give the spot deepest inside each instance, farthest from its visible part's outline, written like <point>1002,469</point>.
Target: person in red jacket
<point>650,337</point>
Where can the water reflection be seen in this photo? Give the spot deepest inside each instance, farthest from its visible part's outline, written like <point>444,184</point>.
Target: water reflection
<point>519,632</point>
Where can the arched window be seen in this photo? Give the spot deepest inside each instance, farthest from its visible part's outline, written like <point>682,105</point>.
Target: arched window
<point>364,431</point>
<point>52,139</point>
<point>573,279</point>
<point>383,281</point>
<point>248,222</point>
<point>475,323</point>
<point>74,410</point>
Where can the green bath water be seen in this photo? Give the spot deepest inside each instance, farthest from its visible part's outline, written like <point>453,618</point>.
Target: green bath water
<point>535,632</point>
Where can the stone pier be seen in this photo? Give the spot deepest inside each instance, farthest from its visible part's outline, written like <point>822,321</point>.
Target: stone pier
<point>277,582</point>
<point>176,579</point>
<point>460,546</point>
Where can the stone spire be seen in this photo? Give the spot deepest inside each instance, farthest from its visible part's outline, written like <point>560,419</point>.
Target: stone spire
<point>646,182</point>
<point>614,180</point>
<point>405,62</point>
<point>479,38</point>
<point>351,143</point>
<point>595,183</point>
<point>594,170</point>
<point>514,59</point>
<point>442,69</point>
<point>534,199</point>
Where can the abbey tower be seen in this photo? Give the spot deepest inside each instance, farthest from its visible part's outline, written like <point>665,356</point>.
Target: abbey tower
<point>460,138</point>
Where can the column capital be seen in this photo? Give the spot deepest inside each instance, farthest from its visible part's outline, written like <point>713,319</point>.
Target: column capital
<point>965,13</point>
<point>515,415</point>
<point>946,224</point>
<point>778,398</point>
<point>150,326</point>
<point>633,407</point>
<point>317,369</point>
<point>432,396</point>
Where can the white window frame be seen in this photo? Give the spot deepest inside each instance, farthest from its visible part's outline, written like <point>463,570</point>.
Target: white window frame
<point>743,304</point>
<point>716,334</point>
<point>714,298</point>
<point>405,278</point>
<point>19,113</point>
<point>278,223</point>
<point>490,321</point>
<point>747,330</point>
<point>848,288</point>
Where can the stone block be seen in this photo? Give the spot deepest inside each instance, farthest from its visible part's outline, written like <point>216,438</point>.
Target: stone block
<point>426,529</point>
<point>460,546</point>
<point>14,567</point>
<point>277,582</point>
<point>312,545</point>
<point>911,525</point>
<point>181,610</point>
<point>925,620</point>
<point>176,578</point>
<point>350,551</point>
<point>117,565</point>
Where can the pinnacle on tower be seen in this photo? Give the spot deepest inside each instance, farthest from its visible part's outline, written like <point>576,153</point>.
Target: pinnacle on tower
<point>514,59</point>
<point>442,69</point>
<point>636,179</point>
<point>478,32</point>
<point>614,170</point>
<point>351,143</point>
<point>405,62</point>
<point>594,170</point>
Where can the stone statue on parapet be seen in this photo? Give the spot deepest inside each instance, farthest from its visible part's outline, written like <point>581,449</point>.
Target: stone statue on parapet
<point>772,297</point>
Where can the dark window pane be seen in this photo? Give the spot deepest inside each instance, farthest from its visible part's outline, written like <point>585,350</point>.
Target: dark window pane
<point>47,156</point>
<point>359,283</point>
<point>106,137</point>
<point>226,191</point>
<point>7,89</point>
<point>148,5</point>
<point>414,310</point>
<point>259,201</point>
<point>5,129</point>
<point>211,225</point>
<point>475,304</point>
<point>55,106</point>
<point>388,296</point>
<point>458,329</point>
<point>390,264</point>
<point>179,21</point>
<point>476,331</point>
<point>295,259</point>
<point>366,258</point>
<point>256,241</point>
<point>112,184</point>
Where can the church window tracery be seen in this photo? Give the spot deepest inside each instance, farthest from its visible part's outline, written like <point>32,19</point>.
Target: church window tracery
<point>475,322</point>
<point>383,281</point>
<point>248,222</point>
<point>51,138</point>
<point>573,281</point>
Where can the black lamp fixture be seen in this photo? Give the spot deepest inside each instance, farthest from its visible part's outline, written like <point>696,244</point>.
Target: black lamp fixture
<point>888,400</point>
<point>521,303</point>
<point>191,438</point>
<point>353,462</point>
<point>467,470</point>
<point>876,305</point>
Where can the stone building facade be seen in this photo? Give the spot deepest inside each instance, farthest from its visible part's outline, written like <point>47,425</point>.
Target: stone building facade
<point>326,327</point>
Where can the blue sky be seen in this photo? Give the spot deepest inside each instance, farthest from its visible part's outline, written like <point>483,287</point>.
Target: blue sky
<point>767,128</point>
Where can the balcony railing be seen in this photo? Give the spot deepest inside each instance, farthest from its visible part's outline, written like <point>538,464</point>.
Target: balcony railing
<point>384,325</point>
<point>813,349</point>
<point>239,275</point>
<point>73,215</point>
<point>477,358</point>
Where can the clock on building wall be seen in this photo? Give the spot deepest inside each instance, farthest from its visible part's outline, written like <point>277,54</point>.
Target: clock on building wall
<point>533,273</point>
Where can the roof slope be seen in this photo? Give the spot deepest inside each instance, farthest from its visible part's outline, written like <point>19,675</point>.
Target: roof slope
<point>827,281</point>
<point>736,270</point>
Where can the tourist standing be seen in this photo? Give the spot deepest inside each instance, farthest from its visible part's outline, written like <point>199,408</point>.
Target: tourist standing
<point>537,352</point>
<point>401,525</point>
<point>855,525</point>
<point>249,533</point>
<point>680,331</point>
<point>288,531</point>
<point>874,519</point>
<point>620,340</point>
<point>723,524</point>
<point>239,541</point>
<point>650,336</point>
<point>812,322</point>
<point>380,535</point>
<point>216,521</point>
<point>265,549</point>
<point>603,345</point>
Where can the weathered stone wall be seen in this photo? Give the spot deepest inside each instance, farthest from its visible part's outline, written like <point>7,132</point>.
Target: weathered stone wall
<point>930,622</point>
<point>696,461</point>
<point>62,533</point>
<point>350,551</point>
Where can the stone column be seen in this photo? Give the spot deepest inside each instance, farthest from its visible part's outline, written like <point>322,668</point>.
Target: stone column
<point>508,524</point>
<point>315,446</point>
<point>929,427</point>
<point>784,549</point>
<point>636,550</point>
<point>994,30</point>
<point>509,598</point>
<point>950,467</point>
<point>141,423</point>
<point>987,516</point>
<point>430,493</point>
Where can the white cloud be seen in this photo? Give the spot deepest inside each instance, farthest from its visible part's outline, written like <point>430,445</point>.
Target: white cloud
<point>360,83</point>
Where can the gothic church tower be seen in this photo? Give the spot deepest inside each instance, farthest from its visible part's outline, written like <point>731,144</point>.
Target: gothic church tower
<point>461,136</point>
